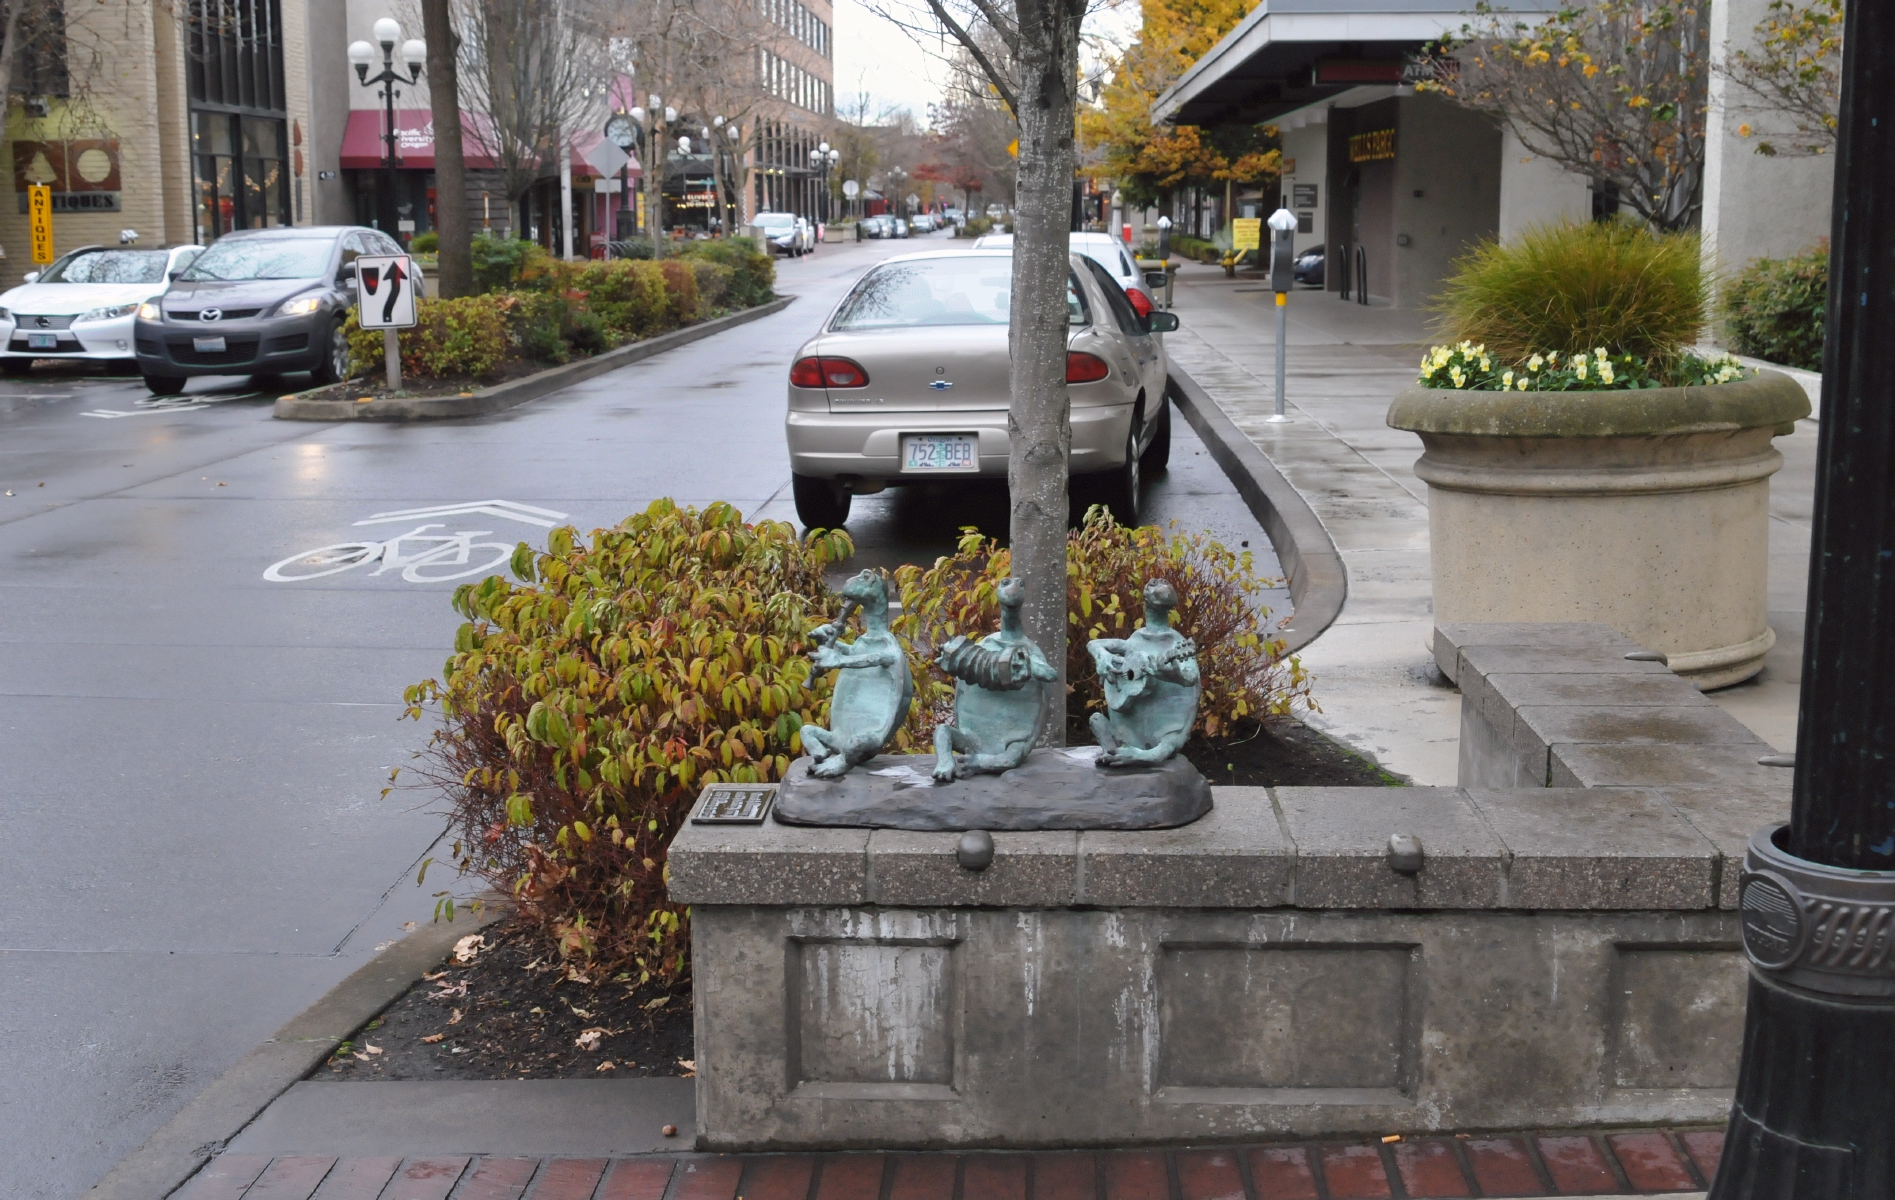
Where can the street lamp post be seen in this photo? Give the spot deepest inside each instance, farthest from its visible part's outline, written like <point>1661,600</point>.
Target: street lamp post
<point>414,53</point>
<point>823,159</point>
<point>1813,1117</point>
<point>654,121</point>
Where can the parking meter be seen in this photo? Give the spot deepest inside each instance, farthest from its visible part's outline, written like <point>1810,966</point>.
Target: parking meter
<point>1164,237</point>
<point>1282,280</point>
<point>1282,251</point>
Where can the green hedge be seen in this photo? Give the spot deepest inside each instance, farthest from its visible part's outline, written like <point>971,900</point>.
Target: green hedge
<point>1775,308</point>
<point>549,309</point>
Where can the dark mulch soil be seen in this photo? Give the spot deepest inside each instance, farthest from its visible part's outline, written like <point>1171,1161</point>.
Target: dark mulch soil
<point>517,1012</point>
<point>375,385</point>
<point>1280,753</point>
<point>1285,754</point>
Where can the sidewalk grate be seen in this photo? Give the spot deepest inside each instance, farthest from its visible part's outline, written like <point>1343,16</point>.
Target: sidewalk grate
<point>1646,1162</point>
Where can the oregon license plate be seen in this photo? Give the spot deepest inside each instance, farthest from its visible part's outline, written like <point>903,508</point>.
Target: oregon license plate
<point>42,341</point>
<point>944,453</point>
<point>210,345</point>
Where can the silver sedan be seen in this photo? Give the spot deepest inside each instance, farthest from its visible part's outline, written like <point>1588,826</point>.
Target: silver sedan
<point>907,383</point>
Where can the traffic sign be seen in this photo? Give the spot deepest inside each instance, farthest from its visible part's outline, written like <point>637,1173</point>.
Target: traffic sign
<point>851,188</point>
<point>39,207</point>
<point>384,291</point>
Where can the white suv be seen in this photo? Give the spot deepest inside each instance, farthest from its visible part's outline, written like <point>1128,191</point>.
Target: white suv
<point>786,233</point>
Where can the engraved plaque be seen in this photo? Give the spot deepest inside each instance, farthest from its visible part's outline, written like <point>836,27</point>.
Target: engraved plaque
<point>734,804</point>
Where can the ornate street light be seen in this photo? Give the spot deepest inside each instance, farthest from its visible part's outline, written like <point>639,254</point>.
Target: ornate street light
<point>1813,1117</point>
<point>414,54</point>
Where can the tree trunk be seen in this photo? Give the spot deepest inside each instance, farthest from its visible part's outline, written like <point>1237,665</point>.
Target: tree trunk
<point>454,275</point>
<point>654,180</point>
<point>1039,419</point>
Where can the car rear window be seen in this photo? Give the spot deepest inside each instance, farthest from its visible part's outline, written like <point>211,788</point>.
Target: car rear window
<point>940,291</point>
<point>109,266</point>
<point>1122,310</point>
<point>262,258</point>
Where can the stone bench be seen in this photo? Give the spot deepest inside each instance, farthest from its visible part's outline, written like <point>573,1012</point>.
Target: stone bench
<point>1561,956</point>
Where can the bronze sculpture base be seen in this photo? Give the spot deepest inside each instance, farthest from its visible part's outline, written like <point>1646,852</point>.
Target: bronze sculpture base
<point>1051,790</point>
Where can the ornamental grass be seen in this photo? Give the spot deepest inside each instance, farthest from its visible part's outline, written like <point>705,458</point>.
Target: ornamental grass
<point>1576,288</point>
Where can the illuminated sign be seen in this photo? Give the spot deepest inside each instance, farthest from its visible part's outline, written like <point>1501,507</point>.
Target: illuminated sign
<point>1373,146</point>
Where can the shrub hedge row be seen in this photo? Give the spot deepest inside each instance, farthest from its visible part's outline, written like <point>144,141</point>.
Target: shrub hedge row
<point>539,309</point>
<point>1775,308</point>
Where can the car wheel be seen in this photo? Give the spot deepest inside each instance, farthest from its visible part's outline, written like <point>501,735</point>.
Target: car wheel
<point>1120,487</point>
<point>165,385</point>
<point>820,504</point>
<point>1158,454</point>
<point>16,366</point>
<point>334,367</point>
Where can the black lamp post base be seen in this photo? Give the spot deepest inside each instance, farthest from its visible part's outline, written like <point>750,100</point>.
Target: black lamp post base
<point>1812,1119</point>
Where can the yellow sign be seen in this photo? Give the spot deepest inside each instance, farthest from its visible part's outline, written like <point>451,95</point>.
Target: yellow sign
<point>1373,146</point>
<point>1246,233</point>
<point>39,209</point>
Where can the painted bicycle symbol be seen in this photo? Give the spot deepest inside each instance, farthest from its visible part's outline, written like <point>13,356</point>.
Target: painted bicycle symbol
<point>441,557</point>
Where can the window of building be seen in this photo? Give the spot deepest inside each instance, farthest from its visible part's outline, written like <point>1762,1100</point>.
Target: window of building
<point>239,122</point>
<point>42,41</point>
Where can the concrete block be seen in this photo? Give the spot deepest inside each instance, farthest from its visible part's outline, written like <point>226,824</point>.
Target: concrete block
<point>1618,849</point>
<point>1488,755</point>
<point>1676,1017</point>
<point>1710,766</point>
<point>1341,839</point>
<point>1454,637</point>
<point>1538,728</point>
<point>1727,817</point>
<point>1632,689</point>
<point>769,864</point>
<point>1235,857</point>
<point>1553,660</point>
<point>1030,870</point>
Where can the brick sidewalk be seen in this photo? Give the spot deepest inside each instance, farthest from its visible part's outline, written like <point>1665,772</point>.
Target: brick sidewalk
<point>1644,1162</point>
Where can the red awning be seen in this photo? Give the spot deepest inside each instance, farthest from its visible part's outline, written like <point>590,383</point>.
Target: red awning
<point>363,148</point>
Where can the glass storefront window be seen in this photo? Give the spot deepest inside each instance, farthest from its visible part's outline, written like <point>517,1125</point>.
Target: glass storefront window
<point>239,191</point>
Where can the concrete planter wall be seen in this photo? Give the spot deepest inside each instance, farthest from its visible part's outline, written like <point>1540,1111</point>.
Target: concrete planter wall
<point>1644,510</point>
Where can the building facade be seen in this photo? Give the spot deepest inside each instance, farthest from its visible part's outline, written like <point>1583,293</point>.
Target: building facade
<point>173,122</point>
<point>796,76</point>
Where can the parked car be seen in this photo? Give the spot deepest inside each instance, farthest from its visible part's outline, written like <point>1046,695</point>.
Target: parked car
<point>784,233</point>
<point>259,302</point>
<point>883,225</point>
<point>925,222</point>
<point>1103,249</point>
<point>907,383</point>
<point>1309,266</point>
<point>84,304</point>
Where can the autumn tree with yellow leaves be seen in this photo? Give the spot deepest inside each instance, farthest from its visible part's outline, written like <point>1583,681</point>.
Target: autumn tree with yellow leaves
<point>1147,160</point>
<point>1615,91</point>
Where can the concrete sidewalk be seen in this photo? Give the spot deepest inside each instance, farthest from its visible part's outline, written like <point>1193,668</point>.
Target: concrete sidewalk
<point>1378,686</point>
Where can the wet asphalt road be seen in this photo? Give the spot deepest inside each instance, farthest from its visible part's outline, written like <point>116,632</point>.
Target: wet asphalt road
<point>193,838</point>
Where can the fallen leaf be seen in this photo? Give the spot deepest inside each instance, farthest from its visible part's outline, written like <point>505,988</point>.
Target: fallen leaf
<point>434,1037</point>
<point>536,1009</point>
<point>449,989</point>
<point>454,1018</point>
<point>581,1013</point>
<point>605,1066</point>
<point>458,1050</point>
<point>590,1039</point>
<point>690,1068</point>
<point>361,1056</point>
<point>578,976</point>
<point>468,947</point>
<point>435,976</point>
<point>660,1002</point>
<point>371,1048</point>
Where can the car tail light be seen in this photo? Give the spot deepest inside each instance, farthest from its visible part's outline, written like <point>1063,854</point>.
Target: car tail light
<point>818,372</point>
<point>1085,368</point>
<point>1141,303</point>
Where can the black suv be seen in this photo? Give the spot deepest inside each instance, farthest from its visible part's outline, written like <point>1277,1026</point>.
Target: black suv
<point>258,302</point>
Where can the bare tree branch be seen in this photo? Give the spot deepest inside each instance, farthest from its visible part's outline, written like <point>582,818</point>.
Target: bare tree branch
<point>973,48</point>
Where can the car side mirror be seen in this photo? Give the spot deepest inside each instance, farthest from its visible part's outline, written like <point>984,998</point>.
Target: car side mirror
<point>1161,321</point>
<point>346,272</point>
<point>30,277</point>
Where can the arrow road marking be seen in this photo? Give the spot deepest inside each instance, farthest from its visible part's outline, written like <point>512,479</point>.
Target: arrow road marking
<point>546,518</point>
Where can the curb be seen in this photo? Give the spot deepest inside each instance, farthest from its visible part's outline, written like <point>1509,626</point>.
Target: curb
<point>200,1130</point>
<point>1318,582</point>
<point>515,391</point>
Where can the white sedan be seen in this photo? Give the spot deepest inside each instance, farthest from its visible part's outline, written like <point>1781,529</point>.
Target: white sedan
<point>84,304</point>
<point>907,384</point>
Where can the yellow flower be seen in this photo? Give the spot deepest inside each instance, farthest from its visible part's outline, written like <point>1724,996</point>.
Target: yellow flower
<point>1599,353</point>
<point>1486,364</point>
<point>1605,372</point>
<point>1579,367</point>
<point>1506,380</point>
<point>1522,384</point>
<point>1535,363</point>
<point>1458,378</point>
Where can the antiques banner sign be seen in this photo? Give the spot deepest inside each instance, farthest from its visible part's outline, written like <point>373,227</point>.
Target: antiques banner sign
<point>83,173</point>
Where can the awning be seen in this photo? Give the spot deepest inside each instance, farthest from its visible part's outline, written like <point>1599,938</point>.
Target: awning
<point>1287,54</point>
<point>363,148</point>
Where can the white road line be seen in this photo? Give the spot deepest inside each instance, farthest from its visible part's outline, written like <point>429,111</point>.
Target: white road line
<point>544,517</point>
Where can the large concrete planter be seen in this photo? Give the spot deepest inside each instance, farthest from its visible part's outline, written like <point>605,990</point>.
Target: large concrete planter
<point>1644,510</point>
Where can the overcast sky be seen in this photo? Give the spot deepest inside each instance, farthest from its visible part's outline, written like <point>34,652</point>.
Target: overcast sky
<point>873,55</point>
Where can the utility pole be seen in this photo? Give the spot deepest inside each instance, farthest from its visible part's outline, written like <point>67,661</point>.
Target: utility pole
<point>1814,1117</point>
